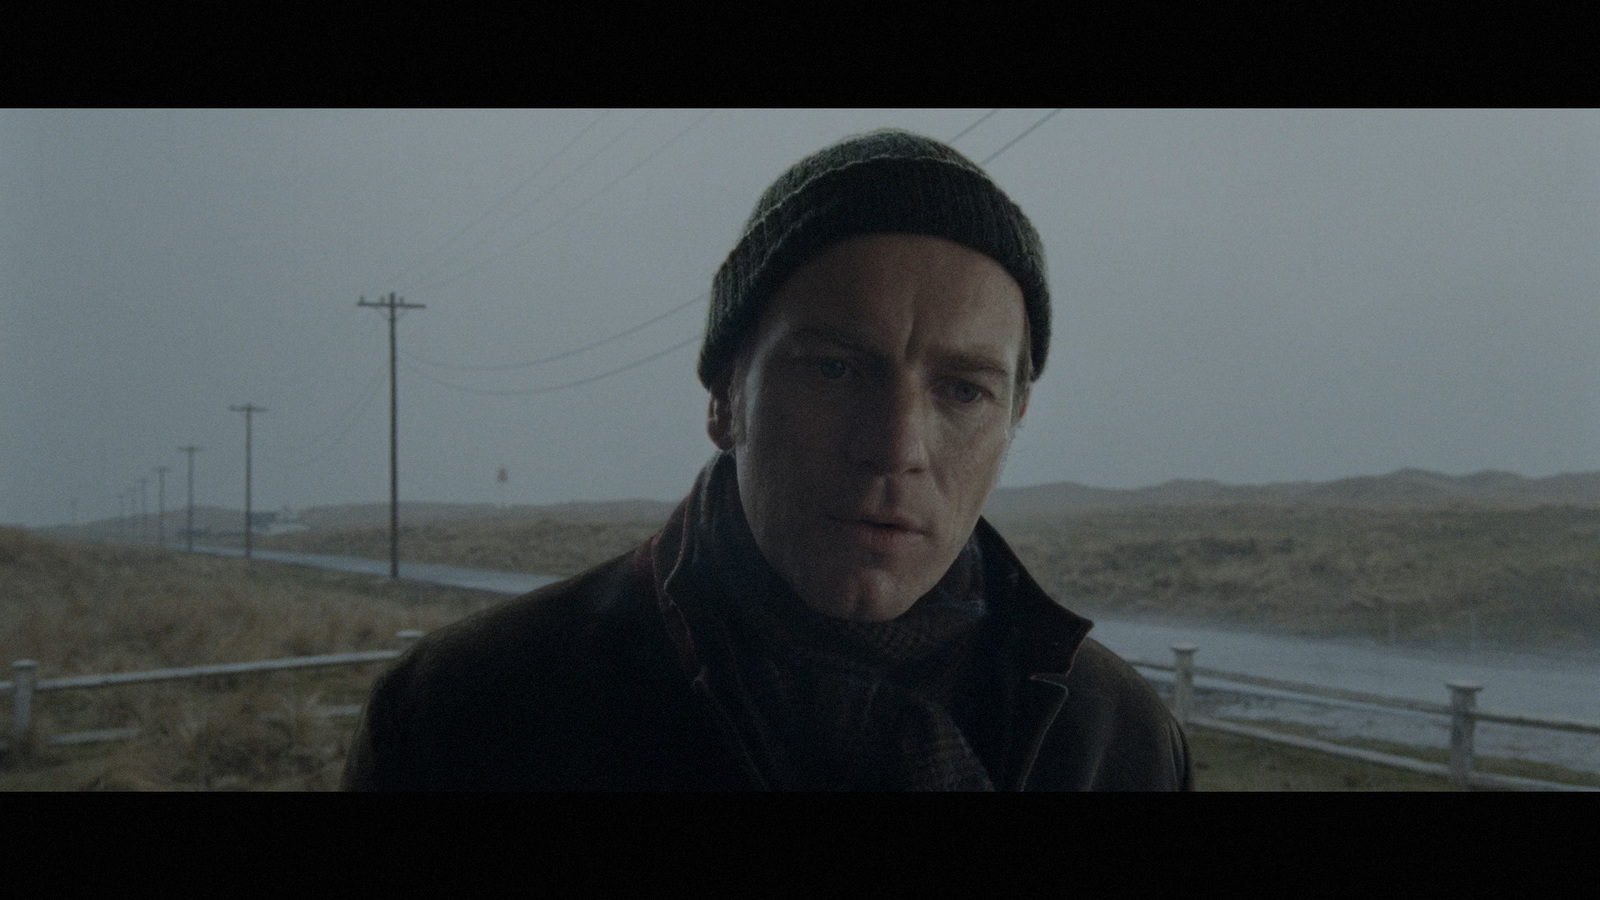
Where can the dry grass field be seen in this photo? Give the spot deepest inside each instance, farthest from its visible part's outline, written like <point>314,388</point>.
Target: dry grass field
<point>79,609</point>
<point>1518,577</point>
<point>538,546</point>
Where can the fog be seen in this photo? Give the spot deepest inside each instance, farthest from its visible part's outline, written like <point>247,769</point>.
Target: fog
<point>1248,296</point>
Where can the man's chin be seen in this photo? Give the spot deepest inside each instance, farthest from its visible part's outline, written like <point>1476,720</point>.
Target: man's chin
<point>873,598</point>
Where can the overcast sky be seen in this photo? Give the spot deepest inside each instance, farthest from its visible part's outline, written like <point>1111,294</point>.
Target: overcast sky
<point>1249,296</point>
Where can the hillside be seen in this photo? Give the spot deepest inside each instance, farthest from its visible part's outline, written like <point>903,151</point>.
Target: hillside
<point>216,525</point>
<point>1403,487</point>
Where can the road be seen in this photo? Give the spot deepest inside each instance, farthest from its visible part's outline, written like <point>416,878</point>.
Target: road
<point>511,583</point>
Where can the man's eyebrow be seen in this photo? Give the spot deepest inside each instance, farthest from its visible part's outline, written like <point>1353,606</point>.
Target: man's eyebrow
<point>976,363</point>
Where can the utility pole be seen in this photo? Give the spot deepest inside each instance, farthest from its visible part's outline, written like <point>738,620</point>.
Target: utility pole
<point>394,305</point>
<point>144,517</point>
<point>161,505</point>
<point>188,522</point>
<point>248,409</point>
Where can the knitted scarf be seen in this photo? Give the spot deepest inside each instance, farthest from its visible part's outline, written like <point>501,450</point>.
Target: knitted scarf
<point>819,703</point>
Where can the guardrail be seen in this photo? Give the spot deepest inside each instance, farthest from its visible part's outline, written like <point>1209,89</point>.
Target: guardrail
<point>25,684</point>
<point>1462,711</point>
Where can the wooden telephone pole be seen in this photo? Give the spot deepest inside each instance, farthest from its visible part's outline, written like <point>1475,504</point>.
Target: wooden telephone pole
<point>161,506</point>
<point>188,523</point>
<point>394,305</point>
<point>248,409</point>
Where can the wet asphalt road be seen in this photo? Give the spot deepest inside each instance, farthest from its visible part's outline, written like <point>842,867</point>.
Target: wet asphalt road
<point>511,583</point>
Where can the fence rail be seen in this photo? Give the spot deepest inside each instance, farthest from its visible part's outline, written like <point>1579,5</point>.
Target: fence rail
<point>1461,710</point>
<point>25,685</point>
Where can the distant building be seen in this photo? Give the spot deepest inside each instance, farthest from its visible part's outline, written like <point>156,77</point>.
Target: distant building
<point>284,521</point>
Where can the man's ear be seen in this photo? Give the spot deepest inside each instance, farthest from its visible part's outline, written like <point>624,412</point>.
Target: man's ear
<point>719,416</point>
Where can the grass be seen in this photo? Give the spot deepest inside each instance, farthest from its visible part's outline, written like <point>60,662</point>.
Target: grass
<point>98,609</point>
<point>1523,578</point>
<point>1226,762</point>
<point>536,546</point>
<point>1356,772</point>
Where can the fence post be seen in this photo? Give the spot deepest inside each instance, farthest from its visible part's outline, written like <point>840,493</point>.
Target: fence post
<point>407,638</point>
<point>1183,682</point>
<point>23,675</point>
<point>1463,699</point>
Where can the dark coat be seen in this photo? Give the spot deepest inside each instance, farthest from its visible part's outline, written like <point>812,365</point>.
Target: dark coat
<point>576,686</point>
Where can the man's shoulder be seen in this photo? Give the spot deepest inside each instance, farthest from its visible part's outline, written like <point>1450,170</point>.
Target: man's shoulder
<point>546,618</point>
<point>1114,731</point>
<point>544,690</point>
<point>557,634</point>
<point>1118,732</point>
<point>1102,675</point>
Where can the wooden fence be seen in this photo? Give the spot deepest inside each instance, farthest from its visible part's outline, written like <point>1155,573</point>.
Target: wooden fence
<point>1462,710</point>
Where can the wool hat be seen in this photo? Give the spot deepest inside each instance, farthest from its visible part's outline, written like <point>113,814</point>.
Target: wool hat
<point>883,182</point>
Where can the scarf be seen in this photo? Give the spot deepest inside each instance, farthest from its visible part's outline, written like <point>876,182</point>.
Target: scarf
<point>819,703</point>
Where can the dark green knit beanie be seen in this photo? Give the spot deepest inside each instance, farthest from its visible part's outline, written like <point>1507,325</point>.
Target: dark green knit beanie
<point>882,182</point>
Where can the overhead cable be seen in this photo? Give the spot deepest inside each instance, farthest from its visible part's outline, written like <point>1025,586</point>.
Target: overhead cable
<point>984,118</point>
<point>561,218</point>
<point>352,415</point>
<point>503,198</point>
<point>990,158</point>
<point>523,392</point>
<point>587,162</point>
<point>527,364</point>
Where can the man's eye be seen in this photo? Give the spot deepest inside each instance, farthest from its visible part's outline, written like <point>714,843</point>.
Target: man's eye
<point>833,368</point>
<point>963,392</point>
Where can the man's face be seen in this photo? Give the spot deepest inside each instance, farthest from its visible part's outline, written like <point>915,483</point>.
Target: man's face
<point>870,417</point>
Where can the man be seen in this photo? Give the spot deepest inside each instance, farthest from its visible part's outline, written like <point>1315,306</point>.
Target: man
<point>826,610</point>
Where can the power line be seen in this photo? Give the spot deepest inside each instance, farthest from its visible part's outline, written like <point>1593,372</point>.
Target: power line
<point>291,380</point>
<point>586,163</point>
<point>990,158</point>
<point>501,200</point>
<point>527,364</point>
<point>346,423</point>
<point>554,387</point>
<point>565,215</point>
<point>984,118</point>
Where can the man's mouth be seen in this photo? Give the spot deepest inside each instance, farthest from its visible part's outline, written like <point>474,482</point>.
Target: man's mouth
<point>889,522</point>
<point>880,532</point>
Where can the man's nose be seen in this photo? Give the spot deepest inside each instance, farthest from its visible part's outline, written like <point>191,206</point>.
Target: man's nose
<point>891,436</point>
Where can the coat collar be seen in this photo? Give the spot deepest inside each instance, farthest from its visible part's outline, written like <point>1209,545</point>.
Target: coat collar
<point>1043,639</point>
<point>1050,633</point>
